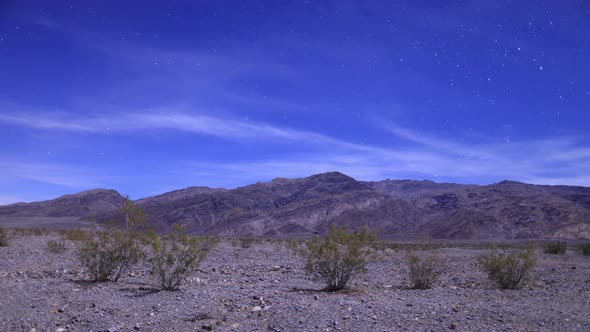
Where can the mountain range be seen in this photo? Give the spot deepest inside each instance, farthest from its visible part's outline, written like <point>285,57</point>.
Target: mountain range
<point>398,209</point>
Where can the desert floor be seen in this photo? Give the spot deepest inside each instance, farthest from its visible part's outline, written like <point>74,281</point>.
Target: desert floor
<point>264,287</point>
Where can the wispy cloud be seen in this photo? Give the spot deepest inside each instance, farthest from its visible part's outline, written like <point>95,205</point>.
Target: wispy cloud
<point>52,173</point>
<point>546,161</point>
<point>195,123</point>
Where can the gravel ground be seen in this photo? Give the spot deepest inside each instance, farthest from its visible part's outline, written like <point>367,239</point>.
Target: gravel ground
<point>264,287</point>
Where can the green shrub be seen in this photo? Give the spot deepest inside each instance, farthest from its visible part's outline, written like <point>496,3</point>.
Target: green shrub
<point>56,247</point>
<point>77,235</point>
<point>109,253</point>
<point>293,244</point>
<point>175,256</point>
<point>246,242</point>
<point>509,269</point>
<point>555,248</point>
<point>30,231</point>
<point>584,249</point>
<point>338,257</point>
<point>3,238</point>
<point>423,269</point>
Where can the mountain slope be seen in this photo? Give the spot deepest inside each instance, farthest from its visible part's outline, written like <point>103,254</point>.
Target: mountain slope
<point>302,207</point>
<point>83,204</point>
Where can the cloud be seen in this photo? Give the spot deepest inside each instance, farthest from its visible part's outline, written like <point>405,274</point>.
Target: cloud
<point>52,173</point>
<point>195,123</point>
<point>543,161</point>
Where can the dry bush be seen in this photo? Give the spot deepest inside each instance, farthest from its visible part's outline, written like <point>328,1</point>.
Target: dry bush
<point>175,256</point>
<point>30,231</point>
<point>293,244</point>
<point>339,257</point>
<point>423,268</point>
<point>3,238</point>
<point>555,248</point>
<point>77,235</point>
<point>109,254</point>
<point>246,242</point>
<point>509,269</point>
<point>207,243</point>
<point>56,247</point>
<point>584,249</point>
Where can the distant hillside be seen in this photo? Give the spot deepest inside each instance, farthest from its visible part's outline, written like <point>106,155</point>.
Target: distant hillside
<point>401,209</point>
<point>83,204</point>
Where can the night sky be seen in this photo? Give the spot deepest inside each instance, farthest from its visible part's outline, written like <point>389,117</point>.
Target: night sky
<point>147,98</point>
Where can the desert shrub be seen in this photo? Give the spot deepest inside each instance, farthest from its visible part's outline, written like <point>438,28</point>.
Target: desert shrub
<point>423,269</point>
<point>338,257</point>
<point>246,242</point>
<point>293,244</point>
<point>207,243</point>
<point>584,249</point>
<point>134,217</point>
<point>555,248</point>
<point>109,253</point>
<point>510,269</point>
<point>56,247</point>
<point>3,238</point>
<point>30,231</point>
<point>77,235</point>
<point>175,256</point>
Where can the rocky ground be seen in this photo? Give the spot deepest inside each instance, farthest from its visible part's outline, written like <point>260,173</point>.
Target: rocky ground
<point>264,287</point>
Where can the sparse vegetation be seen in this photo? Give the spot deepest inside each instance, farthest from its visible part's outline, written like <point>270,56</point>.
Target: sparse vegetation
<point>246,242</point>
<point>3,238</point>
<point>175,256</point>
<point>555,248</point>
<point>77,235</point>
<point>134,217</point>
<point>56,247</point>
<point>423,268</point>
<point>584,249</point>
<point>293,244</point>
<point>338,257</point>
<point>509,269</point>
<point>29,231</point>
<point>109,254</point>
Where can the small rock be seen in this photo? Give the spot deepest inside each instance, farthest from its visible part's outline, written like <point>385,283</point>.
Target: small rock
<point>316,297</point>
<point>207,327</point>
<point>61,310</point>
<point>137,327</point>
<point>60,329</point>
<point>453,326</point>
<point>256,309</point>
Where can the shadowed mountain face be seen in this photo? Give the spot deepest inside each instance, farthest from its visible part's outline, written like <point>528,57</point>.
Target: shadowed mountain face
<point>401,209</point>
<point>84,204</point>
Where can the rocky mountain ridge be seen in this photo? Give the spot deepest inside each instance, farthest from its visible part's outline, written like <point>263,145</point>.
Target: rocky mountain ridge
<point>399,209</point>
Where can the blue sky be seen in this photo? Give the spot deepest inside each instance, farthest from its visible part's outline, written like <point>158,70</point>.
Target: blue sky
<point>149,98</point>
